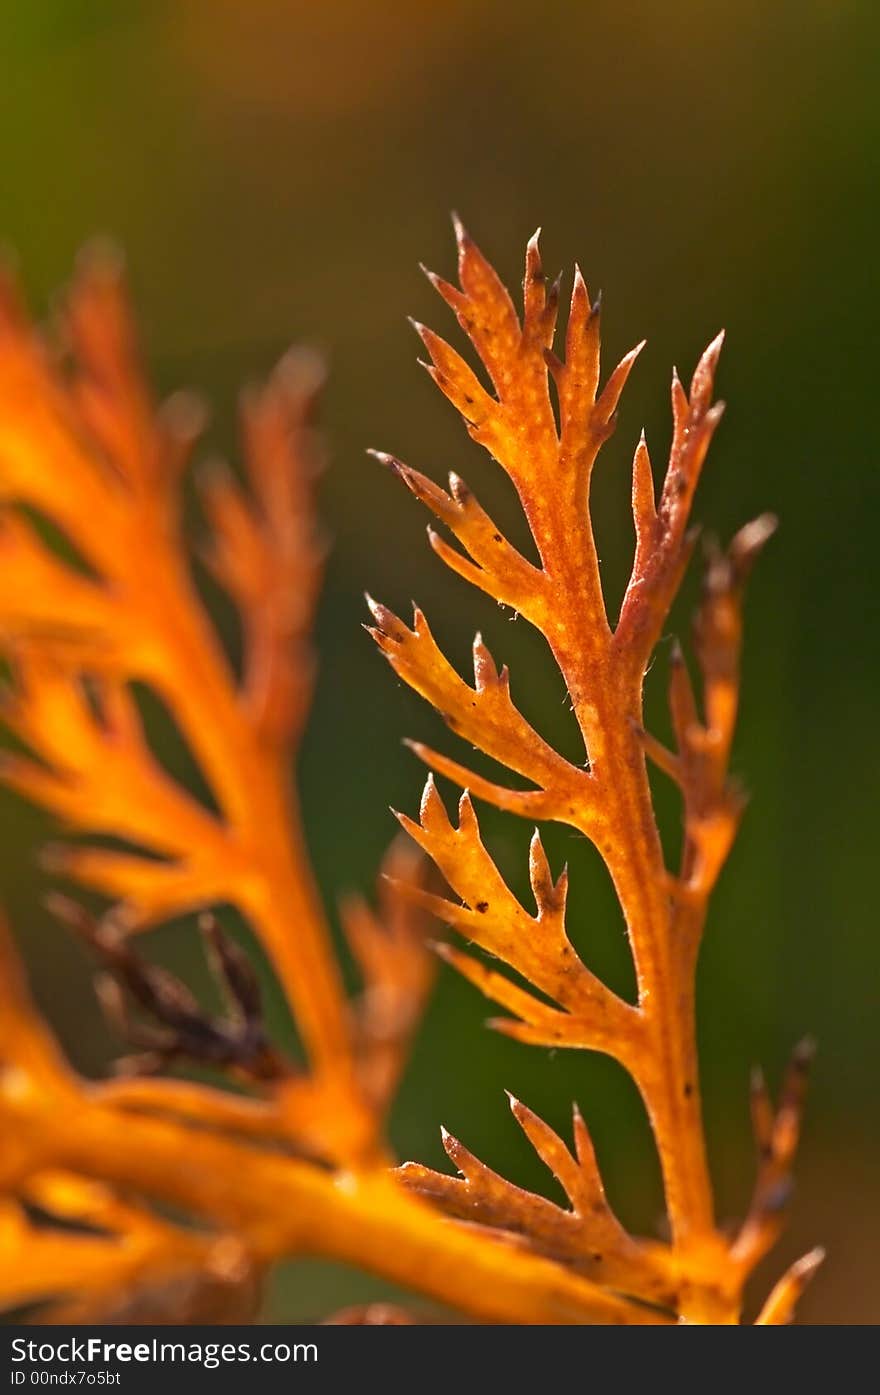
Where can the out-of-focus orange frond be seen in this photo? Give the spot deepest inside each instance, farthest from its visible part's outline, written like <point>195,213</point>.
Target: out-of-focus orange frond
<point>84,445</point>
<point>780,1306</point>
<point>371,1315</point>
<point>777,1134</point>
<point>93,1257</point>
<point>390,945</point>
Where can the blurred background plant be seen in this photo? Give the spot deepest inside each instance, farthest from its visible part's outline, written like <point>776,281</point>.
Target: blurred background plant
<point>274,172</point>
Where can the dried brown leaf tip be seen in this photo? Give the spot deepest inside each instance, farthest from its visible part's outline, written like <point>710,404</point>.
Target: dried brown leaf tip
<point>171,1027</point>
<point>544,421</point>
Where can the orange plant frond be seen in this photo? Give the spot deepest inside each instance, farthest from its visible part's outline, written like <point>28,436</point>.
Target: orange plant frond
<point>777,1134</point>
<point>544,422</point>
<point>485,715</point>
<point>95,770</point>
<point>84,446</point>
<point>782,1302</point>
<point>588,1236</point>
<point>390,946</point>
<point>120,1261</point>
<point>119,1247</point>
<point>537,947</point>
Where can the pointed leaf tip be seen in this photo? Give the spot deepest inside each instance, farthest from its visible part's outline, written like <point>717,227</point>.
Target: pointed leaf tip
<point>380,613</point>
<point>466,814</point>
<point>382,456</point>
<point>704,373</point>
<point>811,1261</point>
<point>462,236</point>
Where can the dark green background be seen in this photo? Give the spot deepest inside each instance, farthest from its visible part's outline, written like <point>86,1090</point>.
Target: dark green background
<point>275,171</point>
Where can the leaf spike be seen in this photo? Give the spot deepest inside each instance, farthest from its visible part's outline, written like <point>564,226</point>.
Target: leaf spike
<point>582,335</point>
<point>749,541</point>
<point>407,824</point>
<point>442,948</point>
<point>583,1143</point>
<point>780,1306</point>
<point>761,1110</point>
<point>704,375</point>
<point>467,815</point>
<point>554,293</point>
<point>664,759</point>
<point>485,669</point>
<point>534,282</point>
<point>682,703</point>
<point>461,1156</point>
<point>549,1147</point>
<point>579,290</point>
<point>610,395</point>
<point>561,888</point>
<point>390,626</point>
<point>680,404</point>
<point>462,236</point>
<point>540,875</point>
<point>383,457</point>
<point>432,810</point>
<point>643,497</point>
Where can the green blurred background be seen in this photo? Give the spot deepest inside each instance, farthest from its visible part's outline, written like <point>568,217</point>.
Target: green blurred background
<point>275,171</point>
